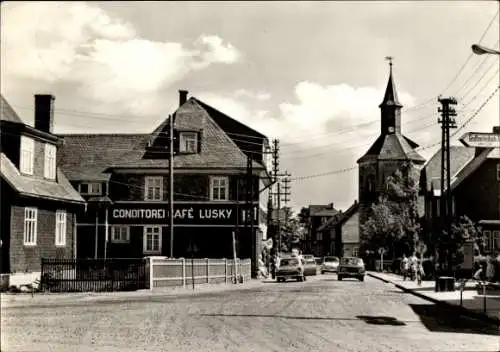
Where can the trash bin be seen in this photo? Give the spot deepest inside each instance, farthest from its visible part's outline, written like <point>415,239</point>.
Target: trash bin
<point>445,284</point>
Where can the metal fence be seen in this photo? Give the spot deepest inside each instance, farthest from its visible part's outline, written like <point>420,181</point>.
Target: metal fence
<point>86,275</point>
<point>165,272</point>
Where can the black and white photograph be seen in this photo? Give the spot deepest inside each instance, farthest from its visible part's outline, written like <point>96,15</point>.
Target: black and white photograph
<point>247,176</point>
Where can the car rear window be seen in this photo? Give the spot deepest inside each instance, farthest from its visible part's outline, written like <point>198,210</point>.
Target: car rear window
<point>292,261</point>
<point>350,261</point>
<point>331,260</point>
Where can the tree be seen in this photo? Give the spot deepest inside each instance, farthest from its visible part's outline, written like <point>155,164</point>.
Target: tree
<point>463,229</point>
<point>292,231</point>
<point>393,222</point>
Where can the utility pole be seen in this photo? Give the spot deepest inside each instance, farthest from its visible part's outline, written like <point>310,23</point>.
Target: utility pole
<point>171,181</point>
<point>286,192</point>
<point>447,121</point>
<point>276,167</point>
<point>250,212</point>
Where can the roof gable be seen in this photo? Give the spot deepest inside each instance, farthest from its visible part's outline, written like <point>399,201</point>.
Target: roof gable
<point>7,113</point>
<point>393,146</point>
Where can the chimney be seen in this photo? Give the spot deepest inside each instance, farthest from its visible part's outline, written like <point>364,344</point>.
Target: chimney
<point>330,206</point>
<point>182,97</point>
<point>496,129</point>
<point>44,112</point>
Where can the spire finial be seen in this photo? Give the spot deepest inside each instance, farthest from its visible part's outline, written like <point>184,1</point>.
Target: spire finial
<point>390,58</point>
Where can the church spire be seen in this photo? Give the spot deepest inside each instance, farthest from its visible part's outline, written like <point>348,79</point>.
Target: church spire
<point>390,106</point>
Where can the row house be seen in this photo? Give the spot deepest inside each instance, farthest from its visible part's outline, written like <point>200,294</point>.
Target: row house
<point>341,232</point>
<point>475,186</point>
<point>38,203</point>
<point>316,243</point>
<point>125,180</point>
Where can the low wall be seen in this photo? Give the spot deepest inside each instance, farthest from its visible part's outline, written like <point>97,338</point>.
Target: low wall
<point>166,272</point>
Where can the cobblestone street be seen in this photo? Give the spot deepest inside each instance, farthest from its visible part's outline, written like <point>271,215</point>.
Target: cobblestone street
<point>321,314</point>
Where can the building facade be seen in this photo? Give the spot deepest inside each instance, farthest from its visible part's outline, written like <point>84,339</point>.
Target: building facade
<point>475,188</point>
<point>317,243</point>
<point>342,232</point>
<point>390,151</point>
<point>38,204</point>
<point>125,179</point>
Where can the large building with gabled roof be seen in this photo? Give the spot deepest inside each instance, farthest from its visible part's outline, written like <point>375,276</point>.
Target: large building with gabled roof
<point>38,203</point>
<point>125,179</point>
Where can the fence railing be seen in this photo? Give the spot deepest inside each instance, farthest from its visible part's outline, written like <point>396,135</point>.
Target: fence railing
<point>166,272</point>
<point>85,275</point>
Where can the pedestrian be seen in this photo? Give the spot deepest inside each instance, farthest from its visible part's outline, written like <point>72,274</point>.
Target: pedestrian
<point>420,272</point>
<point>404,266</point>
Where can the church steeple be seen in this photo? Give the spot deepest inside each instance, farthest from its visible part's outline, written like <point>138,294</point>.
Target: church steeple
<point>390,107</point>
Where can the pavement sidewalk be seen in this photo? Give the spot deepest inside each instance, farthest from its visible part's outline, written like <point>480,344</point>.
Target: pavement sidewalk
<point>25,299</point>
<point>472,302</point>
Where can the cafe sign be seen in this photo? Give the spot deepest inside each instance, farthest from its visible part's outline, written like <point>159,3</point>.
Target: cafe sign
<point>192,214</point>
<point>481,140</point>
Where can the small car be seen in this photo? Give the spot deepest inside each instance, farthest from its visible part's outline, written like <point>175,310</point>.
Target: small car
<point>330,265</point>
<point>351,267</point>
<point>310,267</point>
<point>290,268</point>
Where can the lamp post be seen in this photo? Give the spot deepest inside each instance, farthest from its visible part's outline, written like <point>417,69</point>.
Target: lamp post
<point>481,50</point>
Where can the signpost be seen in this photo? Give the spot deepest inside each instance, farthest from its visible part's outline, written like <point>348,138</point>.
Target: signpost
<point>192,249</point>
<point>481,140</point>
<point>381,251</point>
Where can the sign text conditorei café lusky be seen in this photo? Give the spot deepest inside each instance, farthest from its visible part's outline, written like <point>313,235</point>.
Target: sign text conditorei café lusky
<point>192,214</point>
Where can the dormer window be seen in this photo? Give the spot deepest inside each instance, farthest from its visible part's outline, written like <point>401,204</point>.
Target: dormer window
<point>50,161</point>
<point>27,155</point>
<point>188,142</point>
<point>90,188</point>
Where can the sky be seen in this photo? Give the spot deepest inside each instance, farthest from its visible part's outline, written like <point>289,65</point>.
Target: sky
<point>310,74</point>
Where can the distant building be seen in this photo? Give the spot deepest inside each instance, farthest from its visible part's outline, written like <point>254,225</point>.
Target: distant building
<point>388,153</point>
<point>475,187</point>
<point>316,243</point>
<point>38,204</point>
<point>342,232</point>
<point>125,179</point>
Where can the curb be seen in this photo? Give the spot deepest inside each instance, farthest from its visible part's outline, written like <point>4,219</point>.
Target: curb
<point>460,310</point>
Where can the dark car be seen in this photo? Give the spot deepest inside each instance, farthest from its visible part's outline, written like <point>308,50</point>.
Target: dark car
<point>351,267</point>
<point>310,267</point>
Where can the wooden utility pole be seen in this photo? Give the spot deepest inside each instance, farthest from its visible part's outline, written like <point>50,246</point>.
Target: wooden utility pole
<point>447,121</point>
<point>171,181</point>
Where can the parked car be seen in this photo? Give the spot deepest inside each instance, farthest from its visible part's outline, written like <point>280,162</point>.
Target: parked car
<point>351,267</point>
<point>290,268</point>
<point>330,265</point>
<point>310,267</point>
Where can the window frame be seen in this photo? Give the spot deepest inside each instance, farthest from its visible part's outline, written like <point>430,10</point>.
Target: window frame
<point>147,184</point>
<point>27,155</point>
<point>213,179</point>
<point>487,234</point>
<point>495,238</point>
<point>61,223</point>
<point>185,137</point>
<point>49,161</point>
<point>29,239</point>
<point>498,172</point>
<point>114,228</point>
<point>355,251</point>
<point>90,188</point>
<point>145,239</point>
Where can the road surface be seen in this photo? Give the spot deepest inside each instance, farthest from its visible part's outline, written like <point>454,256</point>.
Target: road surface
<point>321,314</point>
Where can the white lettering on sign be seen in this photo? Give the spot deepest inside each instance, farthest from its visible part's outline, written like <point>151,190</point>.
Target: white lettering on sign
<point>215,213</point>
<point>139,213</point>
<point>183,213</point>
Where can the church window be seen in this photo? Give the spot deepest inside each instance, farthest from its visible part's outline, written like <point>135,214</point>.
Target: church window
<point>371,184</point>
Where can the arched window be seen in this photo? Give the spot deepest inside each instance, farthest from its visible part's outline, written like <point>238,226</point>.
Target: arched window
<point>370,183</point>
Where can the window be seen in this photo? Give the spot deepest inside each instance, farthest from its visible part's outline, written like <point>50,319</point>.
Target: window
<point>495,241</point>
<point>27,155</point>
<point>89,188</point>
<point>152,239</point>
<point>189,142</point>
<point>154,188</point>
<point>498,172</point>
<point>219,188</point>
<point>30,220</point>
<point>50,161</point>
<point>370,183</point>
<point>487,240</point>
<point>60,228</point>
<point>355,251</point>
<point>120,234</point>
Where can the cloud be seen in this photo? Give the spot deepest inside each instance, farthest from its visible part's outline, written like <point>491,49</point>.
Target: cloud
<point>104,56</point>
<point>252,94</point>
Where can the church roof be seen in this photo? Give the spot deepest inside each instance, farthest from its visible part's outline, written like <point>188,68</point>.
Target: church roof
<point>7,113</point>
<point>391,95</point>
<point>393,147</point>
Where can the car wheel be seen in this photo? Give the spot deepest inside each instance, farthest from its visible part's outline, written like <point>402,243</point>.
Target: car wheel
<point>322,273</point>
<point>340,278</point>
<point>304,278</point>
<point>362,278</point>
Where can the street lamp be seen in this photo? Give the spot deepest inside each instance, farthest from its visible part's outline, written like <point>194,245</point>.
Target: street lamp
<point>481,50</point>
